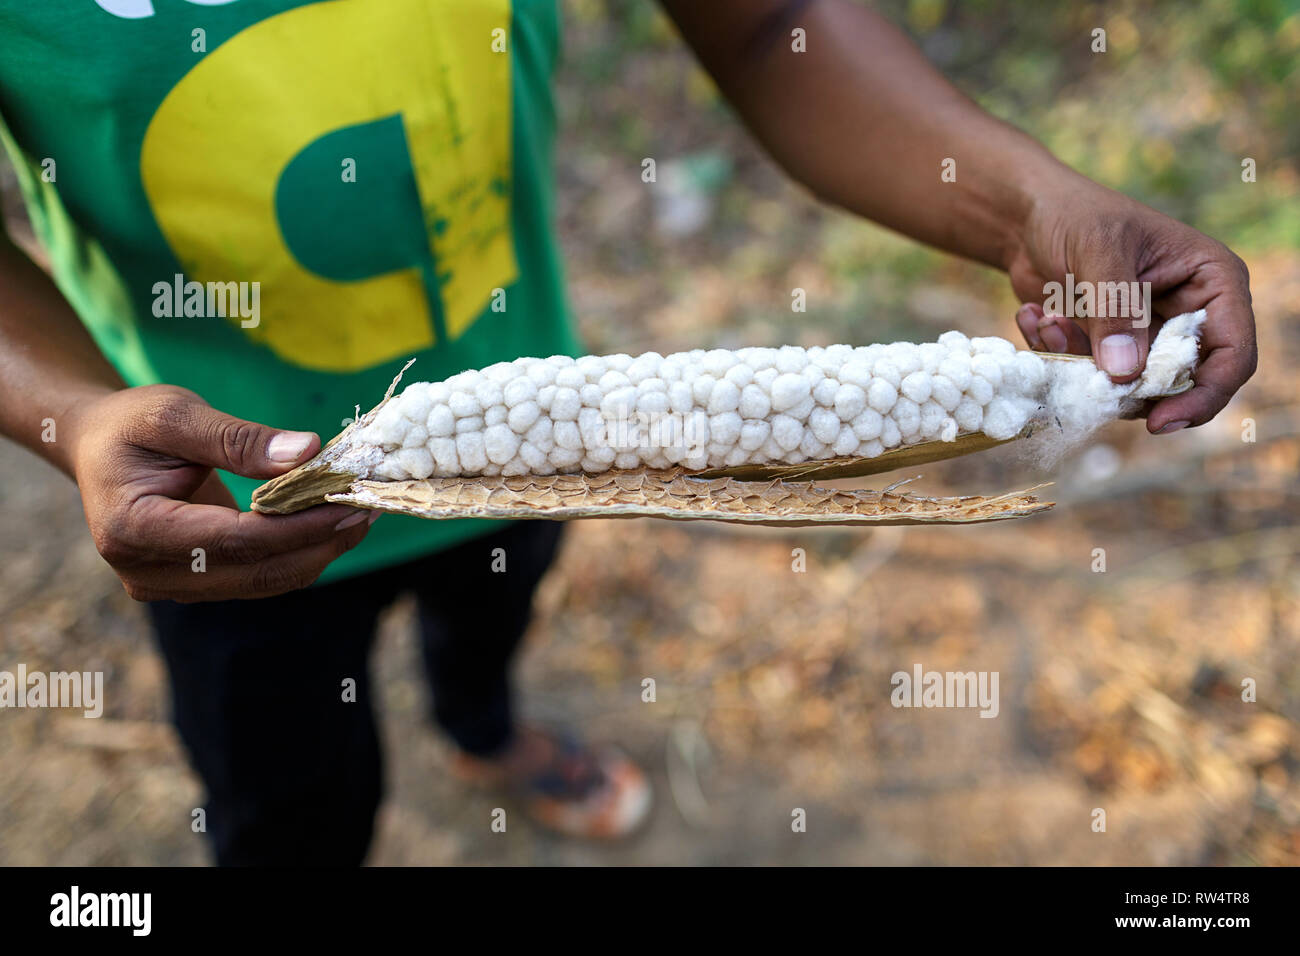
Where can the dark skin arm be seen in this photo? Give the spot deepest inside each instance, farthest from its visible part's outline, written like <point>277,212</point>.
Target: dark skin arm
<point>864,121</point>
<point>143,460</point>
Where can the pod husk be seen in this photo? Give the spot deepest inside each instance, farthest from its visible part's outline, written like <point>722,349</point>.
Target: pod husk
<point>676,494</point>
<point>325,473</point>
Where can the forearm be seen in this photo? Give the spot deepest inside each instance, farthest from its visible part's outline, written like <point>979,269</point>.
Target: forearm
<point>864,121</point>
<point>49,364</point>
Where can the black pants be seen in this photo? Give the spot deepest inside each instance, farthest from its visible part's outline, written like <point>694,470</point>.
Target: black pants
<point>293,770</point>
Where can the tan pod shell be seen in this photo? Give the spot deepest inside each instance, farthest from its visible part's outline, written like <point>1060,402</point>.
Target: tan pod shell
<point>675,494</point>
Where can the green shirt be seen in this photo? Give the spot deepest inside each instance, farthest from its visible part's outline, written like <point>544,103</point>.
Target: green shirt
<point>347,184</point>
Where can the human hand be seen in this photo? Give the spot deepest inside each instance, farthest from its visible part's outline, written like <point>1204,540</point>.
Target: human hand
<point>143,459</point>
<point>1100,236</point>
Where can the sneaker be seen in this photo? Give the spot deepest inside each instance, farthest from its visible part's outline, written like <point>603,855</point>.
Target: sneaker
<point>564,786</point>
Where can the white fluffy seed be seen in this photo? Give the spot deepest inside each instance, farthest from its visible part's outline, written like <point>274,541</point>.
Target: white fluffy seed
<point>415,403</point>
<point>735,457</point>
<point>620,403</point>
<point>907,416</point>
<point>564,460</point>
<point>487,393</point>
<point>945,392</point>
<point>988,368</point>
<point>850,400</point>
<point>571,377</point>
<point>445,460</point>
<point>856,373</point>
<point>702,389</point>
<point>565,405</point>
<point>791,360</point>
<point>724,428</point>
<point>754,402</point>
<point>933,416</point>
<point>823,392</point>
<point>802,410</point>
<point>868,424</point>
<point>740,375</point>
<point>968,415</point>
<point>1003,419</point>
<point>500,443</point>
<point>540,434</point>
<point>956,368</point>
<point>824,424</point>
<point>846,443</point>
<point>907,359</point>
<point>567,436</point>
<point>887,371</point>
<point>612,380</point>
<point>980,391</point>
<point>470,450</point>
<point>441,422</point>
<point>916,386</point>
<point>416,462</point>
<point>882,395</point>
<point>542,373</point>
<point>533,457</point>
<point>681,398</point>
<point>652,402</point>
<point>789,390</point>
<point>464,404</point>
<point>717,362</point>
<point>810,447</point>
<point>390,469</point>
<point>753,435</point>
<point>1032,369</point>
<point>955,341</point>
<point>725,397</point>
<point>519,390</point>
<point>787,432</point>
<point>992,345</point>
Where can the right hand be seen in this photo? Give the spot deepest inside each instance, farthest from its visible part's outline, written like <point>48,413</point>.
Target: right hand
<point>143,459</point>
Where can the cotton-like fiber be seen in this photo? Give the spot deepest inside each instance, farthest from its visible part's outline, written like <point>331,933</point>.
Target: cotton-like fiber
<point>717,408</point>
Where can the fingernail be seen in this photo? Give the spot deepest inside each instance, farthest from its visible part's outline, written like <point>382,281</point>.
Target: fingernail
<point>1118,355</point>
<point>351,521</point>
<point>287,446</point>
<point>1028,327</point>
<point>1053,337</point>
<point>1173,427</point>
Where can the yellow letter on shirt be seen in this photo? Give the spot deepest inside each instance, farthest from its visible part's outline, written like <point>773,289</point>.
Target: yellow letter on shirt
<point>214,152</point>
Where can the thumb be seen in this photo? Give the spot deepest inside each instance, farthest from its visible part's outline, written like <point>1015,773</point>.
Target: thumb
<point>1119,317</point>
<point>206,436</point>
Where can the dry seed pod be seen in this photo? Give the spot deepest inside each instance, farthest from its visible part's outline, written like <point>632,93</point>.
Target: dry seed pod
<point>789,415</point>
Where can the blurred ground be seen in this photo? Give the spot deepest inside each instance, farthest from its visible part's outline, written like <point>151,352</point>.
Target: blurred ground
<point>1119,690</point>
